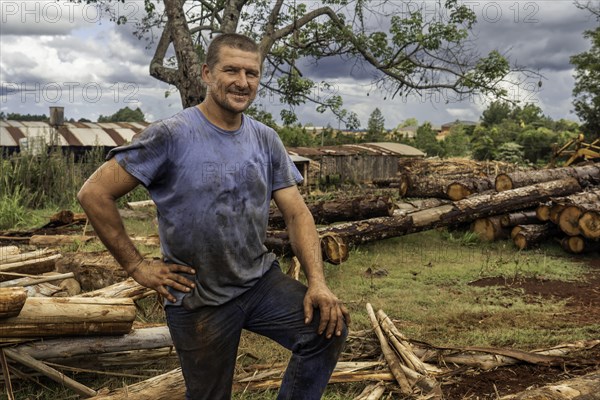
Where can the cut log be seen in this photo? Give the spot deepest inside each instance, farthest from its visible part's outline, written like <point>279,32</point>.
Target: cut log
<point>466,187</point>
<point>27,256</point>
<point>6,251</point>
<point>22,282</point>
<point>12,301</point>
<point>579,388</point>
<point>334,249</point>
<point>426,186</point>
<point>568,219</point>
<point>141,204</point>
<point>33,267</point>
<point>58,240</point>
<point>578,245</point>
<point>519,218</point>
<point>462,211</point>
<point>128,288</point>
<point>64,348</point>
<point>349,209</point>
<point>93,270</point>
<point>532,235</point>
<point>586,175</point>
<point>542,212</point>
<point>589,224</point>
<point>490,229</point>
<point>407,207</point>
<point>396,181</point>
<point>555,211</point>
<point>43,317</point>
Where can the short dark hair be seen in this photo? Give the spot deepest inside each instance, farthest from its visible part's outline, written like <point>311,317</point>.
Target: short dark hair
<point>234,40</point>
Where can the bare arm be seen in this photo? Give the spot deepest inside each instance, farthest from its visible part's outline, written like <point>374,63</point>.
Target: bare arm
<point>305,243</point>
<point>98,198</point>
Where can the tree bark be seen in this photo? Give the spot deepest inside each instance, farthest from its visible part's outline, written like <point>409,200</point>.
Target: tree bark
<point>42,317</point>
<point>453,168</point>
<point>532,235</point>
<point>93,270</point>
<point>334,249</point>
<point>519,218</point>
<point>350,209</point>
<point>12,301</point>
<point>426,186</point>
<point>582,387</point>
<point>586,175</point>
<point>58,240</point>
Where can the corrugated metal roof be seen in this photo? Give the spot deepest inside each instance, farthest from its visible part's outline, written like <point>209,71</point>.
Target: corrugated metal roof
<point>384,148</point>
<point>108,134</point>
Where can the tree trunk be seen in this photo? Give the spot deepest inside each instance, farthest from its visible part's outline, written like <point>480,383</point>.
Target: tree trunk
<point>12,301</point>
<point>334,249</point>
<point>407,207</point>
<point>63,348</point>
<point>41,317</point>
<point>426,186</point>
<point>463,188</point>
<point>453,168</point>
<point>582,387</point>
<point>532,235</point>
<point>490,229</point>
<point>394,182</point>
<point>462,211</point>
<point>34,266</point>
<point>589,224</point>
<point>588,174</point>
<point>350,209</point>
<point>519,218</point>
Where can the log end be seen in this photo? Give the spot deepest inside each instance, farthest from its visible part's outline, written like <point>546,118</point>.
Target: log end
<point>589,223</point>
<point>503,182</point>
<point>12,300</point>
<point>568,220</point>
<point>334,248</point>
<point>457,191</point>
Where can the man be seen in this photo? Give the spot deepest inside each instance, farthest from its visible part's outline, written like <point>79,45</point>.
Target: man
<point>212,172</point>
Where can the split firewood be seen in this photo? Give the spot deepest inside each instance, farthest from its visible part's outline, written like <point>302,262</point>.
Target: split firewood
<point>12,301</point>
<point>30,255</point>
<point>578,388</point>
<point>6,251</point>
<point>35,266</point>
<point>529,236</point>
<point>589,224</point>
<point>128,288</point>
<point>30,281</point>
<point>585,175</point>
<point>391,358</point>
<point>43,317</point>
<point>372,392</point>
<point>50,372</point>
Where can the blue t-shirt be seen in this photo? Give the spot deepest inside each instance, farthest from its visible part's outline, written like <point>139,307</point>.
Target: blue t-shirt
<point>212,190</point>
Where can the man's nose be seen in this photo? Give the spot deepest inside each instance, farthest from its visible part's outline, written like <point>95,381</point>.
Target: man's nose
<point>242,80</point>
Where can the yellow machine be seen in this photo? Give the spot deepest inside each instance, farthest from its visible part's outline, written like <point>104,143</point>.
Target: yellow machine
<point>577,150</point>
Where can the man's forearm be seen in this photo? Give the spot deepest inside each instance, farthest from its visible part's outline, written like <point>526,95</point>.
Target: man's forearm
<point>108,225</point>
<point>306,246</point>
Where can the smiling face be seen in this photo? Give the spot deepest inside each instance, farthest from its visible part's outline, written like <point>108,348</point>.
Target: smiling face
<point>233,81</point>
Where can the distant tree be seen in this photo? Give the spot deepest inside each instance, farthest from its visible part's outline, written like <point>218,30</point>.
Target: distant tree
<point>376,126</point>
<point>511,152</point>
<point>483,147</point>
<point>537,144</point>
<point>83,120</point>
<point>530,114</point>
<point>496,112</point>
<point>261,115</point>
<point>125,114</point>
<point>295,136</point>
<point>425,140</point>
<point>2,115</point>
<point>409,122</point>
<point>456,143</point>
<point>587,83</point>
<point>26,117</point>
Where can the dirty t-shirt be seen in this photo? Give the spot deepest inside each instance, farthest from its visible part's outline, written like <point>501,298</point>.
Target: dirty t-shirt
<point>212,190</point>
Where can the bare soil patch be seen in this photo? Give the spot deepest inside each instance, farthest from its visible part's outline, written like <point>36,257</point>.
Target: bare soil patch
<point>582,302</point>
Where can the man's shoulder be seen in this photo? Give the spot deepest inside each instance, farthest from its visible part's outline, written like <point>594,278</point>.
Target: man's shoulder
<point>259,127</point>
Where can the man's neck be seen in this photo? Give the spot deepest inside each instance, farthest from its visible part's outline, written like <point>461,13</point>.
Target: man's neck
<point>219,117</point>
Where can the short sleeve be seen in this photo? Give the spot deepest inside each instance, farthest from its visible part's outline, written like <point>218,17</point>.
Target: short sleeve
<point>285,172</point>
<point>146,155</point>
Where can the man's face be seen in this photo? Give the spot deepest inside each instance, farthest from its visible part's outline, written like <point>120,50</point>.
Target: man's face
<point>234,80</point>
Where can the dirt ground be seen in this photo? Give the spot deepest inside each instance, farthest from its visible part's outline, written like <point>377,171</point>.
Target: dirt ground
<point>583,304</point>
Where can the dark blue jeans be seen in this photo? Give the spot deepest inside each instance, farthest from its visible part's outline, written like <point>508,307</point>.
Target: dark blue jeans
<point>207,339</point>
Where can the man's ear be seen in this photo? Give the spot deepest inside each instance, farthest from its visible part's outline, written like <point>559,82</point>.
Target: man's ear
<point>206,77</point>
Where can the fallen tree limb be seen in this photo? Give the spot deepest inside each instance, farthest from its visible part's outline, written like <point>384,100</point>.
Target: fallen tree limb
<point>127,288</point>
<point>34,266</point>
<point>12,301</point>
<point>582,387</point>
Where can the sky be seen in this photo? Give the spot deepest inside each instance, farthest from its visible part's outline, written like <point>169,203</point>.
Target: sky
<point>56,53</point>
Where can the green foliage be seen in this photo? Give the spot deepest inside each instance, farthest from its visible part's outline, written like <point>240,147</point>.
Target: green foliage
<point>456,143</point>
<point>261,115</point>
<point>511,152</point>
<point>425,140</point>
<point>295,136</point>
<point>587,85</point>
<point>537,144</point>
<point>23,117</point>
<point>496,112</point>
<point>376,127</point>
<point>12,212</point>
<point>125,114</point>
